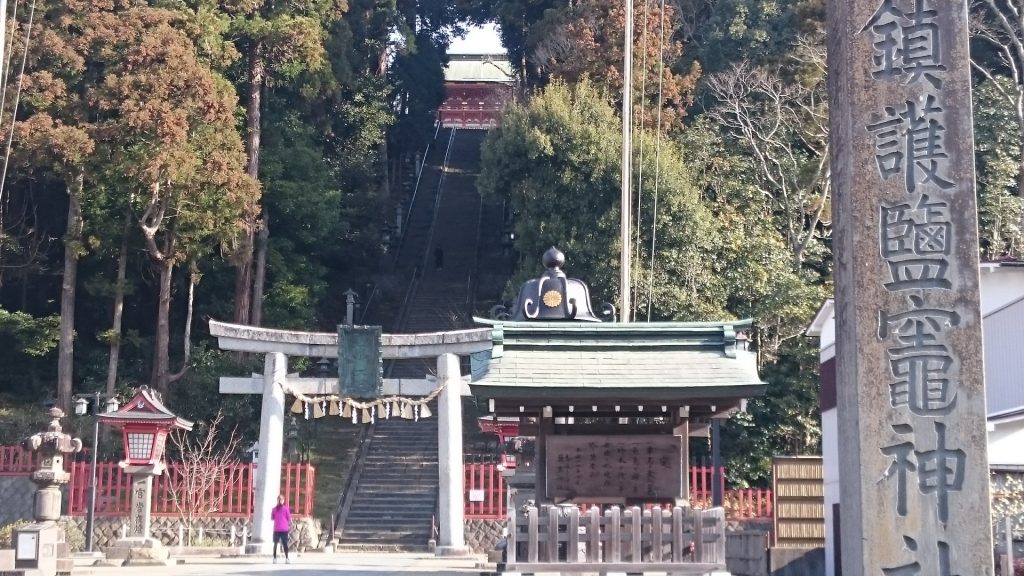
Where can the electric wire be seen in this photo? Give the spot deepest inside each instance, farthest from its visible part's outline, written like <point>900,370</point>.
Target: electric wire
<point>5,70</point>
<point>5,73</point>
<point>640,159</point>
<point>657,161</point>
<point>17,97</point>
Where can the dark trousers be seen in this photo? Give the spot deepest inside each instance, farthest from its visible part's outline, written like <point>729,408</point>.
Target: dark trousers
<point>281,537</point>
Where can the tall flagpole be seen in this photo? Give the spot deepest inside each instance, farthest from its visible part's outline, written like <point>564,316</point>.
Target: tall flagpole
<point>625,264</point>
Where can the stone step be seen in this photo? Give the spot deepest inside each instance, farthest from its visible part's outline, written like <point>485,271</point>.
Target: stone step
<point>369,501</point>
<point>371,535</point>
<point>394,492</point>
<point>391,471</point>
<point>413,466</point>
<point>380,547</point>
<point>372,475</point>
<point>385,521</point>
<point>408,462</point>
<point>386,506</point>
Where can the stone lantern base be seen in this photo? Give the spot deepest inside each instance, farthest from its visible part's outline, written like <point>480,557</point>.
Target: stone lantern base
<point>40,549</point>
<point>139,552</point>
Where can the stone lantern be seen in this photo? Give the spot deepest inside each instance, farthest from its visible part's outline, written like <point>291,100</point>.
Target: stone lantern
<point>144,422</point>
<point>40,548</point>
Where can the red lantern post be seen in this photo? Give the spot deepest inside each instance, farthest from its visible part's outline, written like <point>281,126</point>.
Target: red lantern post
<point>144,422</point>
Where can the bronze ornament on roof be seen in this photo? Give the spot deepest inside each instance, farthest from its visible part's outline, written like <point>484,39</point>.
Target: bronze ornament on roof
<point>552,296</point>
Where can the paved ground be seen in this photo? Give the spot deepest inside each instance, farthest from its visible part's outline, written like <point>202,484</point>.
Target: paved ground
<point>306,565</point>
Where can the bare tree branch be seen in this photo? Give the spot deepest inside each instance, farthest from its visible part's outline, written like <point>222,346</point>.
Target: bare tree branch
<point>197,483</point>
<point>784,126</point>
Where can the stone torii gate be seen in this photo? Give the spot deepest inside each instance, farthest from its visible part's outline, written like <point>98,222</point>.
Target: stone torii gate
<point>277,345</point>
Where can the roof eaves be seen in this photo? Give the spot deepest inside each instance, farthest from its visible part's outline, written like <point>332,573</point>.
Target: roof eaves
<point>825,313</point>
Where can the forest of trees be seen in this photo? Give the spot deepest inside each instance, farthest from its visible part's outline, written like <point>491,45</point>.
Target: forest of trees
<point>731,172</point>
<point>177,160</point>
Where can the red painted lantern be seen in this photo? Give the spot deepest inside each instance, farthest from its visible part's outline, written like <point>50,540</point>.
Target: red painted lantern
<point>145,422</point>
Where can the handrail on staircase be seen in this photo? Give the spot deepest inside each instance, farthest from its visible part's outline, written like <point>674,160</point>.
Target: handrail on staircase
<point>349,491</point>
<point>415,190</point>
<point>437,200</point>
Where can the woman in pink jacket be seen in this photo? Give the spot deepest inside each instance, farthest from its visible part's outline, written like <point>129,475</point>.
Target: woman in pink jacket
<point>282,518</point>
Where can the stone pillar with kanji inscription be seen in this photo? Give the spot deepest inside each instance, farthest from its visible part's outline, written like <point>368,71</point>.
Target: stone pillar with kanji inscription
<point>913,467</point>
<point>137,547</point>
<point>142,493</point>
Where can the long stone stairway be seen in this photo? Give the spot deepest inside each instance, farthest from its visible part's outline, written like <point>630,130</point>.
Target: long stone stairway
<point>395,493</point>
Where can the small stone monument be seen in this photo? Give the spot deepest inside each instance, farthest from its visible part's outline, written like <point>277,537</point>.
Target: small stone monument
<point>40,549</point>
<point>145,423</point>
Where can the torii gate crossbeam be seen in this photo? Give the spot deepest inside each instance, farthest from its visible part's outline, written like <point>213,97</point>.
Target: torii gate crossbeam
<point>277,345</point>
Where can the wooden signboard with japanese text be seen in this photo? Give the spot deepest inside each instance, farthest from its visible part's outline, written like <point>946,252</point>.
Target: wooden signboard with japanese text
<point>621,467</point>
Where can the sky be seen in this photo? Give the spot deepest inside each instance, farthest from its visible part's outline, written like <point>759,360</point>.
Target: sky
<point>481,40</point>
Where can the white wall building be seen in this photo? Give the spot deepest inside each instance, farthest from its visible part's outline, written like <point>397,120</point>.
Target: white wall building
<point>1002,311</point>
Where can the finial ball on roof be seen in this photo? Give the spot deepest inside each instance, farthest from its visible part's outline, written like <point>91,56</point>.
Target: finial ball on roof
<point>553,258</point>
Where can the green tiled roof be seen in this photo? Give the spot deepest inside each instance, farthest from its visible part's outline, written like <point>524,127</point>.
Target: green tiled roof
<point>670,360</point>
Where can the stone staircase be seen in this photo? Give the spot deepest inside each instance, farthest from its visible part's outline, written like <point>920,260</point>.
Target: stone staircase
<point>395,493</point>
<point>443,299</point>
<point>396,496</point>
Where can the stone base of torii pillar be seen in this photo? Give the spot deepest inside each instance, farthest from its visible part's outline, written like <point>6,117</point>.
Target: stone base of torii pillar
<point>278,344</point>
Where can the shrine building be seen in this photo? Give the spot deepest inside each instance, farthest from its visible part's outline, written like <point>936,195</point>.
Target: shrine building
<point>611,405</point>
<point>476,88</point>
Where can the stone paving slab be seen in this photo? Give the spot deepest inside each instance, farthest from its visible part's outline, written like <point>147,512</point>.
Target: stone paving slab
<point>345,564</point>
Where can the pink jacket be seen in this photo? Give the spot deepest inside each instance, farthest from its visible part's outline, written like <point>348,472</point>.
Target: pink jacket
<point>282,518</point>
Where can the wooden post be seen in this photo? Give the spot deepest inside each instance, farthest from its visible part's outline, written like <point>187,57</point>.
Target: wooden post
<point>573,545</point>
<point>552,534</point>
<point>683,424</point>
<point>545,425</point>
<point>531,534</point>
<point>657,528</point>
<point>614,541</point>
<point>698,535</point>
<point>594,535</point>
<point>511,541</point>
<point>677,534</point>
<point>636,518</point>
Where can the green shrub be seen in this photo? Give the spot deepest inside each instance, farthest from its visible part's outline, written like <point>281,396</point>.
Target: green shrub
<point>73,534</point>
<point>7,532</point>
<point>210,542</point>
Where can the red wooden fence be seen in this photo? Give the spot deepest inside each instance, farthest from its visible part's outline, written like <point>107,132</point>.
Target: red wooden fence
<point>739,503</point>
<point>702,480</point>
<point>230,495</point>
<point>488,483</point>
<point>16,461</point>
<point>485,494</point>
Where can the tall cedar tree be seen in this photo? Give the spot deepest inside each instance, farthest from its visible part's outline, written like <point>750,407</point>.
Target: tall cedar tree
<point>55,134</point>
<point>167,120</point>
<point>280,40</point>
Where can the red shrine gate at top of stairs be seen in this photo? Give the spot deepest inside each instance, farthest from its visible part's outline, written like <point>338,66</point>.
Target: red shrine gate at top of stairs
<point>476,89</point>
